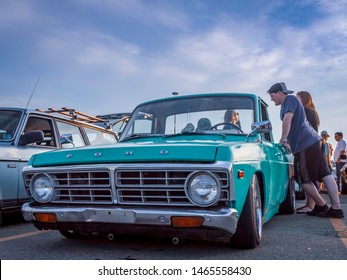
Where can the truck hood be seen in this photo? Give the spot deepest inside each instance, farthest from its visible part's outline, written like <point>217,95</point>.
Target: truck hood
<point>204,151</point>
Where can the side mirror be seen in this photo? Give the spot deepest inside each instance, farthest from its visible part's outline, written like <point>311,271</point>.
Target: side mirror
<point>259,128</point>
<point>66,139</point>
<point>31,137</point>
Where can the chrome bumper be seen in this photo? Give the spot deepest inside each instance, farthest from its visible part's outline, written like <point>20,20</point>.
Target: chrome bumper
<point>224,219</point>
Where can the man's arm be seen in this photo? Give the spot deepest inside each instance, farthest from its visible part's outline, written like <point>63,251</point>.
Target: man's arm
<point>286,124</point>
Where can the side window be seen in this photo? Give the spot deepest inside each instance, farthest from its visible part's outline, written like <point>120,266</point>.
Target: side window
<point>70,135</point>
<point>264,117</point>
<point>97,137</point>
<point>37,123</point>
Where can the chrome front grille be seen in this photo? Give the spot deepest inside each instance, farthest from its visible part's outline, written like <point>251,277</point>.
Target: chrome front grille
<point>79,186</point>
<point>159,187</point>
<point>131,187</point>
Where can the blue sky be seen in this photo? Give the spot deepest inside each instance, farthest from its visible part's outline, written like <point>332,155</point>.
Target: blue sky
<point>107,56</point>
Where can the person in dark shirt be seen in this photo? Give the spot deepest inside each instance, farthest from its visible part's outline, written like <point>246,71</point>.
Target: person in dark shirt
<point>308,149</point>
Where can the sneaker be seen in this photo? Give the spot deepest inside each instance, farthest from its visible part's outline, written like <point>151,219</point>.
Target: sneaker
<point>318,210</point>
<point>332,213</point>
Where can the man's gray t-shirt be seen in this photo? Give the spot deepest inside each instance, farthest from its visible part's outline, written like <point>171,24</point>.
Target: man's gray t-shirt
<point>301,134</point>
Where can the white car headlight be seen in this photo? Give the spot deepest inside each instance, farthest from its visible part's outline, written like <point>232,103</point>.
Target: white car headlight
<point>42,188</point>
<point>203,188</point>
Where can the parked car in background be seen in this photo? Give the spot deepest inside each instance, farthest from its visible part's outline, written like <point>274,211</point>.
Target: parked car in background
<point>178,171</point>
<point>24,133</point>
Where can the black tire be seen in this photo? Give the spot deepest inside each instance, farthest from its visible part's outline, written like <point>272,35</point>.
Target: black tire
<point>72,234</point>
<point>288,205</point>
<point>250,224</point>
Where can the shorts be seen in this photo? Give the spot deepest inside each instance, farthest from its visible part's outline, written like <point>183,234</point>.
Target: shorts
<point>311,164</point>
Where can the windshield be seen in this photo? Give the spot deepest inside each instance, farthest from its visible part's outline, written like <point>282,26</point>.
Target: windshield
<point>9,121</point>
<point>203,115</point>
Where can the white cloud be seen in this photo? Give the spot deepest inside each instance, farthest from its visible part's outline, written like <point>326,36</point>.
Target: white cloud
<point>14,12</point>
<point>87,50</point>
<point>147,12</point>
<point>97,69</point>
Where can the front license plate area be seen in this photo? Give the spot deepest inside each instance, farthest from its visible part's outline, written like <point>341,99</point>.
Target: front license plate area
<point>110,216</point>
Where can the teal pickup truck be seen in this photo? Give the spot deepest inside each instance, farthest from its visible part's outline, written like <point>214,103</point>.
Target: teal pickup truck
<point>181,169</point>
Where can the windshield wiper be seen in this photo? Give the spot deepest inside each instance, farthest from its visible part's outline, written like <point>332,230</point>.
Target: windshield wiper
<point>141,135</point>
<point>186,133</point>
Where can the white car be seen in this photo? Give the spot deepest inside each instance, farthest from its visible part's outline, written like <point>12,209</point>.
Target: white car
<point>25,132</point>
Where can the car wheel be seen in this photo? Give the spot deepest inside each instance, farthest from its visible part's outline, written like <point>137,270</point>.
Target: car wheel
<point>250,225</point>
<point>71,234</point>
<point>288,205</point>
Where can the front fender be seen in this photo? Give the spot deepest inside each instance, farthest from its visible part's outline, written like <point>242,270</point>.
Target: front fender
<point>243,174</point>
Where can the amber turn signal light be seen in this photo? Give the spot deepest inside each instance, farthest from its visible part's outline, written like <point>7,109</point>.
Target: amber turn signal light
<point>187,221</point>
<point>46,217</point>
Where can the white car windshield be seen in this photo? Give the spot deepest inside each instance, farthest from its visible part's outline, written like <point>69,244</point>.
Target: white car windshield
<point>201,115</point>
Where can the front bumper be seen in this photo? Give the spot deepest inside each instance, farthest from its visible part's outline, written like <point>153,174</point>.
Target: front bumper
<point>220,224</point>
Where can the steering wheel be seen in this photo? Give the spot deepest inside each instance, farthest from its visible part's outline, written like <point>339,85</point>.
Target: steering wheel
<point>231,125</point>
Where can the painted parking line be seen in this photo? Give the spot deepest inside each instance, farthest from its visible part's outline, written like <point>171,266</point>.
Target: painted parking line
<point>22,235</point>
<point>341,230</point>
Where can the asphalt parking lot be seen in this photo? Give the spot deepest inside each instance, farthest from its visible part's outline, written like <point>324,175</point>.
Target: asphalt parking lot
<point>285,237</point>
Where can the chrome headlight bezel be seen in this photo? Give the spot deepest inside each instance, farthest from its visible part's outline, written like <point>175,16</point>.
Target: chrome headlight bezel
<point>203,188</point>
<point>42,187</point>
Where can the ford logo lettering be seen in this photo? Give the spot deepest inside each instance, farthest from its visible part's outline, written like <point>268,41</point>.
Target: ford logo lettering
<point>98,154</point>
<point>164,152</point>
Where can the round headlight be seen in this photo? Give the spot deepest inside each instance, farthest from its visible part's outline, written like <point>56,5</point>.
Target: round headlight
<point>42,188</point>
<point>203,188</point>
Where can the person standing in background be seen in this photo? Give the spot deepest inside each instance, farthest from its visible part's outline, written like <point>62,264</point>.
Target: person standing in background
<point>313,118</point>
<point>328,153</point>
<point>340,158</point>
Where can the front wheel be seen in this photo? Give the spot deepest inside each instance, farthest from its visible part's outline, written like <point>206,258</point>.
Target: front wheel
<point>250,225</point>
<point>288,205</point>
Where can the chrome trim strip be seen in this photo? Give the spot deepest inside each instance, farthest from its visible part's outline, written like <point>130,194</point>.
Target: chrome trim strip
<point>113,166</point>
